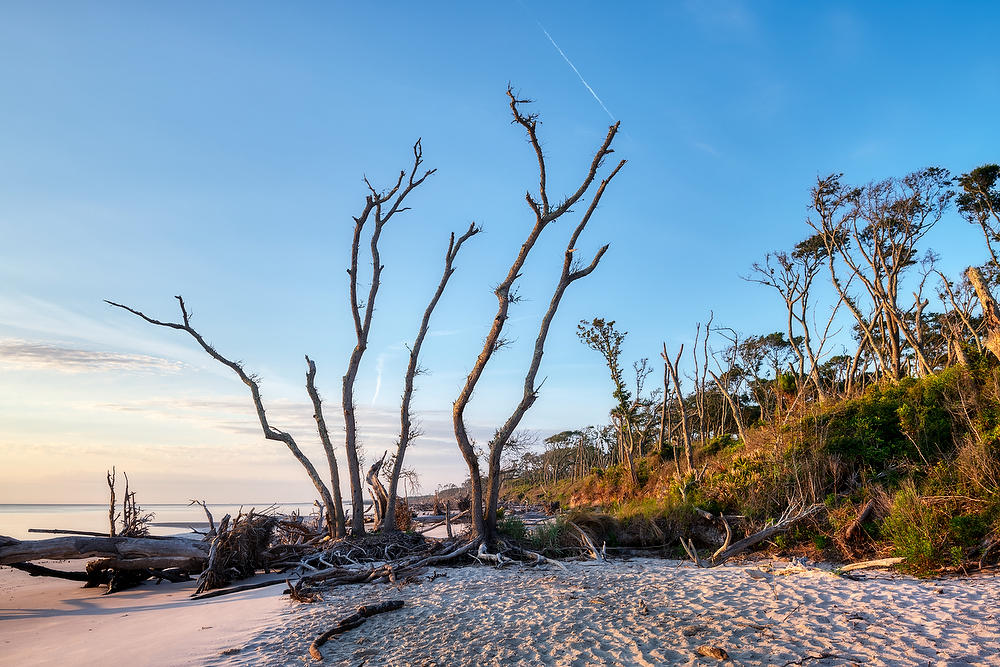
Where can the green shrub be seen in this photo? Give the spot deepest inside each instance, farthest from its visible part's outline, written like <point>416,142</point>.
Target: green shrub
<point>904,420</point>
<point>511,526</point>
<point>643,472</point>
<point>930,533</point>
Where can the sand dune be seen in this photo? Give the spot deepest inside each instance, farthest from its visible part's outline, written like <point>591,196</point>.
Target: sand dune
<point>639,612</point>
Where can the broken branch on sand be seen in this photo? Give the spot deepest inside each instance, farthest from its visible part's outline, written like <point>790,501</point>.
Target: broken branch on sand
<point>351,622</point>
<point>868,564</point>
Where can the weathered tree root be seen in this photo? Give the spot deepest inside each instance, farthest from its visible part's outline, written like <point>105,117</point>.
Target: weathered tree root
<point>351,622</point>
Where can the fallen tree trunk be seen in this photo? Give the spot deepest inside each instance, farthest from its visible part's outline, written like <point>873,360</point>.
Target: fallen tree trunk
<point>727,550</point>
<point>351,622</point>
<point>91,533</point>
<point>790,517</point>
<point>151,563</point>
<point>868,564</point>
<point>73,548</point>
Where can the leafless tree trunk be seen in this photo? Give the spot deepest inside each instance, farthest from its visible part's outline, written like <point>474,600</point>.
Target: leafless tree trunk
<point>270,433</point>
<point>962,310</point>
<point>380,207</point>
<point>700,374</point>
<point>485,525</point>
<point>663,407</point>
<point>672,367</point>
<point>991,312</point>
<point>379,496</point>
<point>406,433</point>
<point>111,508</point>
<point>324,435</point>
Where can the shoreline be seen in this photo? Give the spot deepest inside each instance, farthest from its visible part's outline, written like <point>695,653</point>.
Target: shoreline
<point>640,611</point>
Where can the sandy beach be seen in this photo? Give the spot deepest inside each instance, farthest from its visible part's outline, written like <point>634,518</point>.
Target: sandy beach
<point>637,612</point>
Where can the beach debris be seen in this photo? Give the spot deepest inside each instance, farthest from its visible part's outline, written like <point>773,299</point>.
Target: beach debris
<point>497,559</point>
<point>692,630</point>
<point>598,555</point>
<point>238,549</point>
<point>351,622</point>
<point>301,592</point>
<point>868,564</point>
<point>208,515</point>
<point>820,656</point>
<point>80,547</point>
<point>123,562</point>
<point>713,651</point>
<point>794,513</point>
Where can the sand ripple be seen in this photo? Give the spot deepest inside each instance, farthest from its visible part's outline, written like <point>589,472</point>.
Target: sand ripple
<point>647,612</point>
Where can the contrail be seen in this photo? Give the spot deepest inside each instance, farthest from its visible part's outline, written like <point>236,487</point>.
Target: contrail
<point>570,63</point>
<point>379,365</point>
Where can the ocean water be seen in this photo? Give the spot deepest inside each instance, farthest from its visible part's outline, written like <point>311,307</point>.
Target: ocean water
<point>15,520</point>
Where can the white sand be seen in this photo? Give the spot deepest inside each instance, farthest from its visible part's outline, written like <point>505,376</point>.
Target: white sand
<point>641,612</point>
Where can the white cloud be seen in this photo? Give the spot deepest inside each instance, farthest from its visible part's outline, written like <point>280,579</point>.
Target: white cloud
<point>28,355</point>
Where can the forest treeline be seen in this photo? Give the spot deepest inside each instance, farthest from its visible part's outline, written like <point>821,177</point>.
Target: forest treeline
<point>877,392</point>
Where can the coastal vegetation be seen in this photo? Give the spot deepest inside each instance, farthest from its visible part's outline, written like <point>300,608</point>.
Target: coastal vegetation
<point>892,425</point>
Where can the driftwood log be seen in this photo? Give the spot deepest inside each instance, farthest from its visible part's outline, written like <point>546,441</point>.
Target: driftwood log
<point>119,548</point>
<point>351,622</point>
<point>868,564</point>
<point>791,515</point>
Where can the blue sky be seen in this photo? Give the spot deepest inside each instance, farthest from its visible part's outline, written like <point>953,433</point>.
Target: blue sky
<point>217,150</point>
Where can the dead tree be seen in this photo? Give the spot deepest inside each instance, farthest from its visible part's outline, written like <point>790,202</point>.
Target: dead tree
<point>699,376</point>
<point>991,312</point>
<point>380,207</point>
<point>337,510</point>
<point>377,490</point>
<point>731,375</point>
<point>791,275</point>
<point>112,516</point>
<point>545,213</point>
<point>675,376</point>
<point>251,381</point>
<point>406,431</point>
<point>961,297</point>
